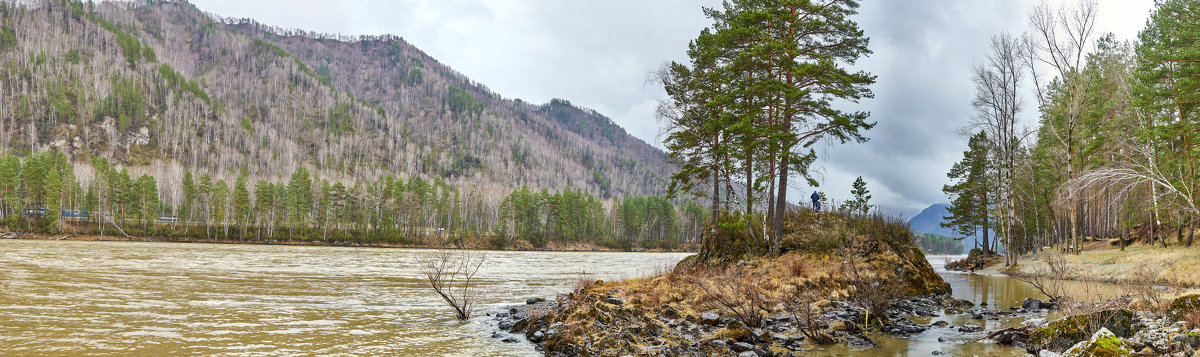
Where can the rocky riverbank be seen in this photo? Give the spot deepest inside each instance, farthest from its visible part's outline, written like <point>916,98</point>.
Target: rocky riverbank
<point>841,282</point>
<point>1112,329</point>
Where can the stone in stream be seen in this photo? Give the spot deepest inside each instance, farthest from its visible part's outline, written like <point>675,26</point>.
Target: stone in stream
<point>506,325</point>
<point>860,341</point>
<point>1031,304</point>
<point>969,328</point>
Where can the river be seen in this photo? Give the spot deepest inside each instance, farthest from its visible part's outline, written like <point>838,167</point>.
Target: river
<point>129,298</point>
<point>72,297</point>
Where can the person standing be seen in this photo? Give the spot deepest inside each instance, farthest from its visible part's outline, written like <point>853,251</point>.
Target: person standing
<point>816,198</point>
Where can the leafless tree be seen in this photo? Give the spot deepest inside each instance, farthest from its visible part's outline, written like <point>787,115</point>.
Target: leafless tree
<point>997,104</point>
<point>452,276</point>
<point>1060,39</point>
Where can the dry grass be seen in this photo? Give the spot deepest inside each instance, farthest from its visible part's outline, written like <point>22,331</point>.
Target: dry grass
<point>1174,265</point>
<point>1192,319</point>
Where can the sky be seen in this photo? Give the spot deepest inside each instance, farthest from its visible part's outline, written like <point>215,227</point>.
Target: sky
<point>599,54</point>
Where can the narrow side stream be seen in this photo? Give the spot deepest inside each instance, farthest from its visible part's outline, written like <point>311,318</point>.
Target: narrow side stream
<point>999,292</point>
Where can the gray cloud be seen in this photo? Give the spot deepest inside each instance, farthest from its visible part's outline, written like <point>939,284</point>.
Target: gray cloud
<point>598,54</point>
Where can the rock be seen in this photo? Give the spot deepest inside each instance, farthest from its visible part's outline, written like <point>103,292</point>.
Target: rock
<point>1154,339</point>
<point>1102,344</point>
<point>1045,353</point>
<point>748,354</point>
<point>1065,332</point>
<point>838,325</point>
<point>498,335</point>
<point>1190,339</point>
<point>537,336</point>
<point>970,328</point>
<point>1035,323</point>
<point>977,317</point>
<point>781,317</point>
<point>509,340</point>
<point>1147,351</point>
<point>506,325</point>
<point>530,301</point>
<point>957,303</point>
<point>740,347</point>
<point>1183,306</point>
<point>1031,304</point>
<point>709,318</point>
<point>939,323</point>
<point>736,331</point>
<point>670,313</point>
<point>615,300</point>
<point>860,341</point>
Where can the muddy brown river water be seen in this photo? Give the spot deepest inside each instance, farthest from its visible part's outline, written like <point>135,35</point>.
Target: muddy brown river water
<point>125,298</point>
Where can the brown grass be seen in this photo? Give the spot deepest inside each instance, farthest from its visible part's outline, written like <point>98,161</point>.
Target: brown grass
<point>1192,319</point>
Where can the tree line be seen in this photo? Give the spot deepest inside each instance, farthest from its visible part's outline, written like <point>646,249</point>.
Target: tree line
<point>42,193</point>
<point>1112,152</point>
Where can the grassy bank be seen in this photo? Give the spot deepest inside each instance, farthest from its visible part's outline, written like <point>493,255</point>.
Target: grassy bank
<point>1175,266</point>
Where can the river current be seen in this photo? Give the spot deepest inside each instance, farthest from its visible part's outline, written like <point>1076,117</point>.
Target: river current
<point>130,298</point>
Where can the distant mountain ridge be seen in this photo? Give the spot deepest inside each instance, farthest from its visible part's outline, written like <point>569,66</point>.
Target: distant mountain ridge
<point>162,87</point>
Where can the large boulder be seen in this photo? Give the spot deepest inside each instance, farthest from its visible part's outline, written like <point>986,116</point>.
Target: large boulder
<point>1061,334</point>
<point>1183,306</point>
<point>1102,344</point>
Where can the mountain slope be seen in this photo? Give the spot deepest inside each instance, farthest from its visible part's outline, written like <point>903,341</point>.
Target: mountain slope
<point>162,87</point>
<point>930,219</point>
<point>929,222</point>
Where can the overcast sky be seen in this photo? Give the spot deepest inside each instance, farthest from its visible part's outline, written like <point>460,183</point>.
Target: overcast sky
<point>598,54</point>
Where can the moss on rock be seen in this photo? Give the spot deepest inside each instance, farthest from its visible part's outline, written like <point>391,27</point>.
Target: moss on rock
<point>1183,305</point>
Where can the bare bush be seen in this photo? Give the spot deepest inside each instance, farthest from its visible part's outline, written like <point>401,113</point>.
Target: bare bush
<point>735,292</point>
<point>1049,280</point>
<point>873,292</point>
<point>806,315</point>
<point>1141,283</point>
<point>451,275</point>
<point>1192,319</point>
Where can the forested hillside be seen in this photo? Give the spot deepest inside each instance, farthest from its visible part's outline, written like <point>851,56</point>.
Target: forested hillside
<point>163,90</point>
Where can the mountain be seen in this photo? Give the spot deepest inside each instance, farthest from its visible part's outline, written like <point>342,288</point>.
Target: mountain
<point>930,219</point>
<point>161,87</point>
<point>929,222</point>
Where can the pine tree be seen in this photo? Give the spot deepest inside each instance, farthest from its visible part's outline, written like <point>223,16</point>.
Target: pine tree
<point>861,202</point>
<point>969,207</point>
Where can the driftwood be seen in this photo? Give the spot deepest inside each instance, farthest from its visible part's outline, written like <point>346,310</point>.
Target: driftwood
<point>1010,335</point>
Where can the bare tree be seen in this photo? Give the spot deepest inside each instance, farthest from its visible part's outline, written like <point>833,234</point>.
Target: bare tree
<point>451,275</point>
<point>1059,39</point>
<point>997,104</point>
